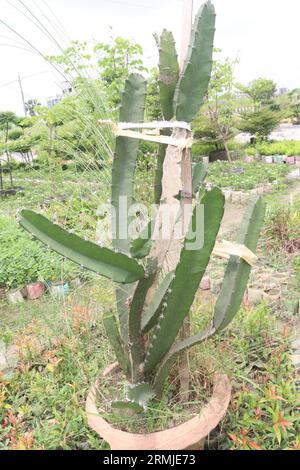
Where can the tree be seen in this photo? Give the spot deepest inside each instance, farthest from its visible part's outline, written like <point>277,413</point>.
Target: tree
<point>30,106</point>
<point>153,106</point>
<point>294,105</point>
<point>7,120</point>
<point>116,61</point>
<point>217,122</point>
<point>260,122</point>
<point>261,91</point>
<point>111,63</point>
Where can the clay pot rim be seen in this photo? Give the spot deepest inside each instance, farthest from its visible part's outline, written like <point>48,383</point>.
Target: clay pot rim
<point>180,437</point>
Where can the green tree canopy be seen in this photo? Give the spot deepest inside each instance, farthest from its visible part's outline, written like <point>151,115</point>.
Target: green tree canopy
<point>260,122</point>
<point>216,123</point>
<point>261,91</point>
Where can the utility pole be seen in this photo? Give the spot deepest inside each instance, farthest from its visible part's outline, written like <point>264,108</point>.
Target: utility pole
<point>22,95</point>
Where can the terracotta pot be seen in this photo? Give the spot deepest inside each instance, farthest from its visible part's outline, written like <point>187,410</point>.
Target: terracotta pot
<point>35,290</point>
<point>189,435</point>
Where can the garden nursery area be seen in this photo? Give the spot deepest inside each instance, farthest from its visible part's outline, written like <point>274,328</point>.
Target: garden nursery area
<point>149,248</point>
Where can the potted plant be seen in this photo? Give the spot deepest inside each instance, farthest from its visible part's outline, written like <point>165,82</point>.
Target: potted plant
<point>152,308</point>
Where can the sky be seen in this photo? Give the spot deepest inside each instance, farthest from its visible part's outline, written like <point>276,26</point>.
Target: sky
<point>264,34</point>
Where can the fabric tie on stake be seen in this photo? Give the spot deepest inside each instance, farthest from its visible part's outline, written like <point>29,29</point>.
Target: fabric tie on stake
<point>226,249</point>
<point>150,131</point>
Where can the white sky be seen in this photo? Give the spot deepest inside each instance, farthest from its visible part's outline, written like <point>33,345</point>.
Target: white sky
<point>264,33</point>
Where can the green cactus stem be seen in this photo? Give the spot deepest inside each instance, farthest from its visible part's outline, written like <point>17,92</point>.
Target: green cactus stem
<point>141,246</point>
<point>127,405</point>
<point>238,271</point>
<point>168,78</point>
<point>187,277</point>
<point>194,80</point>
<point>136,341</point>
<point>178,348</point>
<point>168,73</point>
<point>199,172</point>
<point>154,309</point>
<point>112,331</point>
<point>132,110</point>
<point>108,263</point>
<point>141,393</point>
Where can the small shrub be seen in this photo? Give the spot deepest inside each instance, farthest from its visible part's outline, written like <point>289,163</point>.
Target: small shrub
<point>23,260</point>
<point>222,174</point>
<point>283,227</point>
<point>286,147</point>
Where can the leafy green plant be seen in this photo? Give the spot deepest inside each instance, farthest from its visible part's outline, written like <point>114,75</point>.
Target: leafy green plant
<point>23,261</point>
<point>263,410</point>
<point>286,147</point>
<point>260,122</point>
<point>282,230</point>
<point>253,174</point>
<point>217,123</point>
<point>146,358</point>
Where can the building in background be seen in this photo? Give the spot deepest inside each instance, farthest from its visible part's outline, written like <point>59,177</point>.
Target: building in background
<point>66,89</point>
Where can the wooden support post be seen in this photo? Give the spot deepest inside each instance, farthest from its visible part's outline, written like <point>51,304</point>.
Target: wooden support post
<point>186,175</point>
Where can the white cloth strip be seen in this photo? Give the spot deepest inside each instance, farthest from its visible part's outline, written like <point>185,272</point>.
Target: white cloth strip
<point>155,125</point>
<point>160,139</point>
<point>123,129</point>
<point>149,125</point>
<point>225,249</point>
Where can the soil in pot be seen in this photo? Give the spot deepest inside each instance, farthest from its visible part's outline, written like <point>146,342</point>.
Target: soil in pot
<point>173,410</point>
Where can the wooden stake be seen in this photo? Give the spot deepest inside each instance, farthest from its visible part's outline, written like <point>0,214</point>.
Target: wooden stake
<point>186,174</point>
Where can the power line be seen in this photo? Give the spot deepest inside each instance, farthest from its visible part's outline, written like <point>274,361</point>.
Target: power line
<point>125,3</point>
<point>23,78</point>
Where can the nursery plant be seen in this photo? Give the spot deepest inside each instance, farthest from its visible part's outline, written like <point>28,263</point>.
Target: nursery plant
<point>152,305</point>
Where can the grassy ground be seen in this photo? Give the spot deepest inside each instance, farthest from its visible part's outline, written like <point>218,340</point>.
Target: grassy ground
<point>61,349</point>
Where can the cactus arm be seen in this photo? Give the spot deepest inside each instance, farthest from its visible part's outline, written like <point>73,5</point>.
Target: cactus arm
<point>103,261</point>
<point>136,341</point>
<point>199,172</point>
<point>141,246</point>
<point>131,110</point>
<point>194,80</point>
<point>152,312</point>
<point>115,340</point>
<point>188,274</point>
<point>123,296</point>
<point>127,405</point>
<point>137,398</point>
<point>238,271</point>
<point>168,73</point>
<point>159,172</point>
<point>123,170</point>
<point>179,347</point>
<point>168,78</point>
<point>141,393</point>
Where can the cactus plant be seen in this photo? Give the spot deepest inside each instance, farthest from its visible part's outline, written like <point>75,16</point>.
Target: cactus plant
<point>151,311</point>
